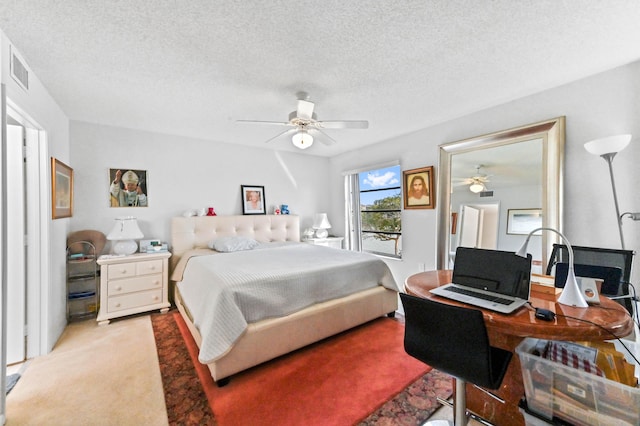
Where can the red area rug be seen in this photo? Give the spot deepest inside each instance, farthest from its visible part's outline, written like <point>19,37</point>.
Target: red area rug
<point>360,376</point>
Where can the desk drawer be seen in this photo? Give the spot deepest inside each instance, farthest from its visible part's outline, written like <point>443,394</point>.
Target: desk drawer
<point>134,300</point>
<point>132,285</point>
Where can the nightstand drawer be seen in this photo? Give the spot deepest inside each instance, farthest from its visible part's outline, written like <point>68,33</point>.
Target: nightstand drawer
<point>149,267</point>
<point>131,285</point>
<point>133,300</point>
<point>121,270</point>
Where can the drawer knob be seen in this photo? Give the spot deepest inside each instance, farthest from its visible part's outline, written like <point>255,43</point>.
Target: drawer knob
<point>123,271</point>
<point>155,297</point>
<point>117,305</point>
<point>119,288</point>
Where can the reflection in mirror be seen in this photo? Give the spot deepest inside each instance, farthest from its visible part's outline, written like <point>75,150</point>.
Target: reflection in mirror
<point>482,178</point>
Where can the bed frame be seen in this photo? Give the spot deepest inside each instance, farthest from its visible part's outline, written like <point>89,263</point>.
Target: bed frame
<point>268,339</point>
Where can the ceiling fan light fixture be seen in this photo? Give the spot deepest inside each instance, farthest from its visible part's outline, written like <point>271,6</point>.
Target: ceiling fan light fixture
<point>302,139</point>
<point>476,187</point>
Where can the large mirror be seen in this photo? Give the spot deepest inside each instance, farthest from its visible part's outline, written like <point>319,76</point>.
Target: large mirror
<point>493,188</point>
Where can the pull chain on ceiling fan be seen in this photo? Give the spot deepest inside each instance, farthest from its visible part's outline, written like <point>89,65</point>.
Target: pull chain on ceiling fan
<point>306,127</point>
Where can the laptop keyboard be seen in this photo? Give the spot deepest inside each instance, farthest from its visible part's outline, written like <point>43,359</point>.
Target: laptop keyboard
<point>488,297</point>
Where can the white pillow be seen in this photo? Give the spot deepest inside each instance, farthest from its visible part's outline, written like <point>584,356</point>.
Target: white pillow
<point>235,243</point>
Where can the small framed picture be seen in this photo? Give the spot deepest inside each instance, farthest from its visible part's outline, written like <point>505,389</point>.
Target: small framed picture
<point>253,199</point>
<point>523,221</point>
<point>418,188</point>
<point>61,189</point>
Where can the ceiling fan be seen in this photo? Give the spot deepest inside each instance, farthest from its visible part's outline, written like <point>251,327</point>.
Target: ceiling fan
<point>305,126</point>
<point>476,183</point>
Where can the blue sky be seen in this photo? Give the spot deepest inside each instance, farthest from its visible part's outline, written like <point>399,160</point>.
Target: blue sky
<point>376,179</point>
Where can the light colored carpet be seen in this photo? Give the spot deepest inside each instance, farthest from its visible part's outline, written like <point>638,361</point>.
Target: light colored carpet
<point>97,375</point>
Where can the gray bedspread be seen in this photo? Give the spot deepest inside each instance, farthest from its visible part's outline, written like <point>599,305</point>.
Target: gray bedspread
<point>226,291</point>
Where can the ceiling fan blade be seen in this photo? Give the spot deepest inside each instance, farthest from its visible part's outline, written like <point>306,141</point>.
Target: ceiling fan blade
<point>286,132</point>
<point>279,123</point>
<point>322,136</point>
<point>344,124</point>
<point>305,109</point>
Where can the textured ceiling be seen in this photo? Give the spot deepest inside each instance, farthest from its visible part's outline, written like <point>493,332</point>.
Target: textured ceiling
<point>194,68</point>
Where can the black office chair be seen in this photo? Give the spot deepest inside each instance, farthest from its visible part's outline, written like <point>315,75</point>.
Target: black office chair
<point>453,340</point>
<point>594,256</point>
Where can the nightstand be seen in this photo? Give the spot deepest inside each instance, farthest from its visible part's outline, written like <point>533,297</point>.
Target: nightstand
<point>133,284</point>
<point>335,242</point>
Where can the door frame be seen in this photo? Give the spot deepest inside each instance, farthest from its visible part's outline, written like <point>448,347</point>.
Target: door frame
<point>37,229</point>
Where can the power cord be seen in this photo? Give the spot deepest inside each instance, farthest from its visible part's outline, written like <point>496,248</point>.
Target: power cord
<point>633,296</point>
<point>588,322</point>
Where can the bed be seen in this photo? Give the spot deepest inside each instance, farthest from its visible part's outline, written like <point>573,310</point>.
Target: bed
<point>228,344</point>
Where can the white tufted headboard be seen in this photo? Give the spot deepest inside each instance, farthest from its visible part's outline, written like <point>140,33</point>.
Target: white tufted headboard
<point>188,233</point>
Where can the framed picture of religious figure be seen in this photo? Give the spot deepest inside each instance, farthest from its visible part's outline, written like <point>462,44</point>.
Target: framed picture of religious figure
<point>61,189</point>
<point>418,188</point>
<point>128,187</point>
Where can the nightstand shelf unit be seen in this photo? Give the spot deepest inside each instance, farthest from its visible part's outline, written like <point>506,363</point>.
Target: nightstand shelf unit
<point>82,281</point>
<point>133,284</point>
<point>335,242</point>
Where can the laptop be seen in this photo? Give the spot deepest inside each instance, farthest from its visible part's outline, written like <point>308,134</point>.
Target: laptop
<point>490,279</point>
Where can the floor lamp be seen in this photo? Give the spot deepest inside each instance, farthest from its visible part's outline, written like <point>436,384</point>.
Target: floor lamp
<point>607,148</point>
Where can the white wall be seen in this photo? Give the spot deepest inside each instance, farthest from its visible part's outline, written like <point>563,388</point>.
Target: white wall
<point>38,105</point>
<point>186,174</point>
<point>602,105</point>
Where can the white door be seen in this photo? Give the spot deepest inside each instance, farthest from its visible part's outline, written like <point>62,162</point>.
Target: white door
<point>16,286</point>
<point>470,226</point>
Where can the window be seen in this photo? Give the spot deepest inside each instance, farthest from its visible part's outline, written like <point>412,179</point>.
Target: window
<point>374,199</point>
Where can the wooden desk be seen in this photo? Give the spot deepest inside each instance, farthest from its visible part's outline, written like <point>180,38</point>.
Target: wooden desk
<point>507,331</point>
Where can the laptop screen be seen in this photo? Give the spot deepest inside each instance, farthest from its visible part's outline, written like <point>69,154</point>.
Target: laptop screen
<point>502,272</point>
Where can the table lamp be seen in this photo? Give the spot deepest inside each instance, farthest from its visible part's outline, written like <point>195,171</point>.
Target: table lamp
<point>321,224</point>
<point>607,148</point>
<point>571,294</point>
<point>124,232</point>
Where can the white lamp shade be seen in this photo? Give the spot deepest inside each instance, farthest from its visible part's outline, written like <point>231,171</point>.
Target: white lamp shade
<point>302,139</point>
<point>124,232</point>
<point>321,221</point>
<point>608,145</point>
<point>125,228</point>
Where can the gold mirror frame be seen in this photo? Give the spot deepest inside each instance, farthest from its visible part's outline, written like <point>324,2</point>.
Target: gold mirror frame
<point>552,134</point>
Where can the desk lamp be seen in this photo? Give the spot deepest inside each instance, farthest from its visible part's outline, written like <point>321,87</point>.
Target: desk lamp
<point>125,231</point>
<point>321,224</point>
<point>571,294</point>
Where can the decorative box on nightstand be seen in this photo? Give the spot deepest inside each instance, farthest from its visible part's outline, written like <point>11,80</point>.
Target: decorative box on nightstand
<point>335,242</point>
<point>133,284</point>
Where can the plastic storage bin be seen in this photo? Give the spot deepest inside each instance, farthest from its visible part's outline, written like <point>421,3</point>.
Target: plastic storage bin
<point>553,389</point>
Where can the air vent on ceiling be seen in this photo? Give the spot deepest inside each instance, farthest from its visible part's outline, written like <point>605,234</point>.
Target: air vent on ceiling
<point>486,193</point>
<point>19,71</point>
